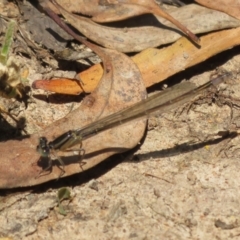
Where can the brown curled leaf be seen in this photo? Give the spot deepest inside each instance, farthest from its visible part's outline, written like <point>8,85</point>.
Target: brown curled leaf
<point>121,85</point>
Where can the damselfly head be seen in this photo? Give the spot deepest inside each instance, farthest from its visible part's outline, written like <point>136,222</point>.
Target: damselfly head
<point>46,148</point>
<point>43,147</point>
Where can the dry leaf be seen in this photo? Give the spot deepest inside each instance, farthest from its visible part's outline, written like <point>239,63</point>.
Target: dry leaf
<point>231,7</point>
<point>149,60</point>
<point>90,9</point>
<point>121,85</point>
<point>119,10</point>
<point>133,39</point>
<point>61,85</point>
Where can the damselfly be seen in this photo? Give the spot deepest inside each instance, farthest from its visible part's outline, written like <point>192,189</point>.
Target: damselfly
<point>162,102</point>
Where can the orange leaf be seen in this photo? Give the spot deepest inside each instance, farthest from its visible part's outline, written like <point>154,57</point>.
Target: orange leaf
<point>172,59</point>
<point>61,85</point>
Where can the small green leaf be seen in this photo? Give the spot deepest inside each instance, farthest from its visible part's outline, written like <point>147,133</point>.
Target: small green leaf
<point>61,210</point>
<point>63,193</point>
<point>7,42</point>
